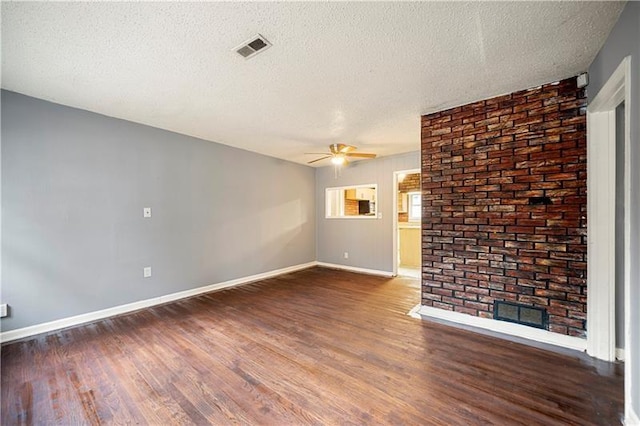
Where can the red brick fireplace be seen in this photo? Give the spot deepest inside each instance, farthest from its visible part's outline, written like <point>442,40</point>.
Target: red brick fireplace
<point>504,205</point>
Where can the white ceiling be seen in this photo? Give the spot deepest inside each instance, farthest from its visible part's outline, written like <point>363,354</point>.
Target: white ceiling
<point>358,73</point>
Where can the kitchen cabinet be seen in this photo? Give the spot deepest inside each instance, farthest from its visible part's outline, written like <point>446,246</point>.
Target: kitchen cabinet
<point>410,246</point>
<point>363,193</point>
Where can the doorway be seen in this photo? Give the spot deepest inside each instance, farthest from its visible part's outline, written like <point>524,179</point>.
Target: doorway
<point>609,188</point>
<point>407,220</point>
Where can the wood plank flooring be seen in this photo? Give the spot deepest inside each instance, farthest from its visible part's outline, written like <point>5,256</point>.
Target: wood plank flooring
<point>313,347</point>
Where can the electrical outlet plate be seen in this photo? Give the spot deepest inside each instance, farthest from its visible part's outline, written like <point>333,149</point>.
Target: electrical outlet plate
<point>146,271</point>
<point>146,212</point>
<point>346,255</point>
<point>3,310</point>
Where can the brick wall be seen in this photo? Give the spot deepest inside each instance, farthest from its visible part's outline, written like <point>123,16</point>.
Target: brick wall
<point>411,183</point>
<point>482,239</point>
<point>351,207</point>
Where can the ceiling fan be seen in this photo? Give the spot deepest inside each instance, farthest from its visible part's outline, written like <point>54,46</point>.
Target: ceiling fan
<point>339,153</point>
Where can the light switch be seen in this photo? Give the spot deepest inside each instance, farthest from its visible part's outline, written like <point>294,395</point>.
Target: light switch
<point>3,310</point>
<point>146,212</point>
<point>146,272</point>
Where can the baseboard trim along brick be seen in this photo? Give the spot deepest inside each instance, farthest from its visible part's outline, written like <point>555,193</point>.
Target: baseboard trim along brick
<point>356,269</point>
<point>511,329</point>
<point>21,333</point>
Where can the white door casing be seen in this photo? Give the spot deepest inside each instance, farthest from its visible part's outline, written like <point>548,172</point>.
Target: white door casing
<point>395,214</point>
<point>601,189</point>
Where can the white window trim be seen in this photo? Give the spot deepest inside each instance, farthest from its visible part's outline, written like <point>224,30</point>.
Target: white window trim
<point>341,189</point>
<point>409,205</point>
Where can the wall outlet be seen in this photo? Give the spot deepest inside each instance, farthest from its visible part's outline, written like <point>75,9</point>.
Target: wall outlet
<point>3,310</point>
<point>146,212</point>
<point>146,271</point>
<point>346,254</point>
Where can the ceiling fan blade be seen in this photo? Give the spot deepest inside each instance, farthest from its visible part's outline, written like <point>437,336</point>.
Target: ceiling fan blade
<point>360,154</point>
<point>347,148</point>
<point>318,159</point>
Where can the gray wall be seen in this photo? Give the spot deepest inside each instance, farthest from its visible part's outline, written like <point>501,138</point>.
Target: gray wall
<point>369,242</point>
<point>624,40</point>
<point>73,187</point>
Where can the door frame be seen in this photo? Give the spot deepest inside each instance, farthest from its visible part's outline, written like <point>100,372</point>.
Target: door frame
<point>601,185</point>
<point>395,214</point>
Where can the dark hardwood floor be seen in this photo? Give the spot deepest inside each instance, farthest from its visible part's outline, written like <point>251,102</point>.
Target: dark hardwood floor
<point>313,347</point>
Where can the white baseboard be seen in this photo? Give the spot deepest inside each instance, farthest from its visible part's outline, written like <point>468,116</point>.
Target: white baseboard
<point>21,333</point>
<point>620,354</point>
<point>356,269</point>
<point>512,329</point>
<point>415,312</point>
<point>631,418</point>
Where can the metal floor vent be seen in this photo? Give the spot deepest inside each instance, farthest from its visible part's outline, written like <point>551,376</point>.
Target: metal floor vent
<point>253,46</point>
<point>520,314</point>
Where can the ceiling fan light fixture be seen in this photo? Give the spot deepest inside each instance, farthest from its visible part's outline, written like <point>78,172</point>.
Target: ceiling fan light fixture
<point>338,160</point>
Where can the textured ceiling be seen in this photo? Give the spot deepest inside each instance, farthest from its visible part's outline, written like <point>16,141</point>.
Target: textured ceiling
<point>358,73</point>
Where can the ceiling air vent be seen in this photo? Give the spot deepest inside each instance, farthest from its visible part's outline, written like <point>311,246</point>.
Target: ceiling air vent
<point>253,46</point>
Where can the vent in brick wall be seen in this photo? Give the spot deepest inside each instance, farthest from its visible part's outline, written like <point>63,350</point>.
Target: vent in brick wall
<point>538,201</point>
<point>520,314</point>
